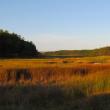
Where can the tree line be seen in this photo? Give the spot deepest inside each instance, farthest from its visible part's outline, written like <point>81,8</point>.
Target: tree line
<point>14,46</point>
<point>105,51</point>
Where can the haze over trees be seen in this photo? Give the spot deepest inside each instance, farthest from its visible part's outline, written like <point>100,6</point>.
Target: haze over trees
<point>14,46</point>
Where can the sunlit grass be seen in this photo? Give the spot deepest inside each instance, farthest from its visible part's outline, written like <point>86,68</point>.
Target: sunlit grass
<point>91,74</point>
<point>54,83</point>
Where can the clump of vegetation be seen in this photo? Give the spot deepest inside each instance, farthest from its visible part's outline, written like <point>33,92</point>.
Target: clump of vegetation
<point>13,46</point>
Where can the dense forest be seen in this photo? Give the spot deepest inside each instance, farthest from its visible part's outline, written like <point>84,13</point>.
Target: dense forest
<point>105,51</point>
<point>14,46</point>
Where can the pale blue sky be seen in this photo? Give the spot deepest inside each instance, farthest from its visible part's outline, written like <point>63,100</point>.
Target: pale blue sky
<point>58,24</point>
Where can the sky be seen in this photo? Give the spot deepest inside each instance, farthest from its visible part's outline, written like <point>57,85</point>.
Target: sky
<point>58,24</point>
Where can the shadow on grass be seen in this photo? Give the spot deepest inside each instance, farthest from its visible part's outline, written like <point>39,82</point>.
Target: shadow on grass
<point>100,102</point>
<point>48,98</point>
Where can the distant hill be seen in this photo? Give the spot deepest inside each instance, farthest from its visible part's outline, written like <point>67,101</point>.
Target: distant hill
<point>105,51</point>
<point>13,46</point>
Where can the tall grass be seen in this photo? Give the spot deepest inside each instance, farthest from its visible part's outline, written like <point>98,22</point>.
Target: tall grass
<point>87,78</point>
<point>55,84</point>
<point>44,84</point>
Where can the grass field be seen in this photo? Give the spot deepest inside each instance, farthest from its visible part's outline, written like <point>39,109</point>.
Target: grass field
<point>55,84</point>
